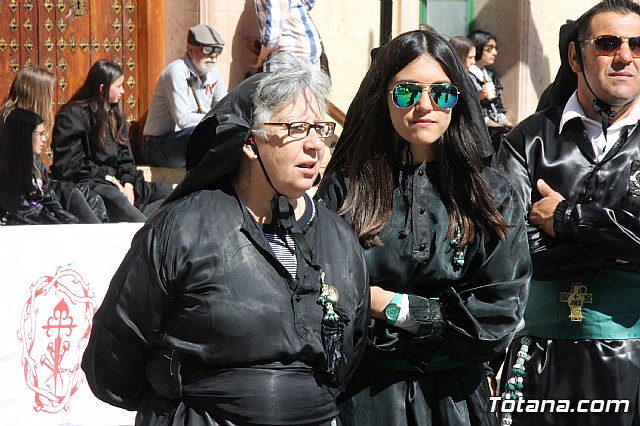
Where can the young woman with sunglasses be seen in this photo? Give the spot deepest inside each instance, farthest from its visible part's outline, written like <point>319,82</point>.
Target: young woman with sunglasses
<point>445,239</point>
<point>488,85</point>
<point>26,196</point>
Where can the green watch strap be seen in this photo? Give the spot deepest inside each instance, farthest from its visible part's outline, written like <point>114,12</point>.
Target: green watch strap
<point>392,310</point>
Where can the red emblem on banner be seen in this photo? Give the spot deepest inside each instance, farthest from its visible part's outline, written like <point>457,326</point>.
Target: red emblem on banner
<point>54,330</point>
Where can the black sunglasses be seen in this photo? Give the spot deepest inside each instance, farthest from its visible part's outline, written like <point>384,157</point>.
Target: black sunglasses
<point>608,45</point>
<point>208,49</point>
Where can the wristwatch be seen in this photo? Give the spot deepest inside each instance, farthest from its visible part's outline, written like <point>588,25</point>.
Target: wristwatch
<point>392,310</point>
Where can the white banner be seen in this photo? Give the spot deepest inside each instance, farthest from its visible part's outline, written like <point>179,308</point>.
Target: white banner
<point>54,278</point>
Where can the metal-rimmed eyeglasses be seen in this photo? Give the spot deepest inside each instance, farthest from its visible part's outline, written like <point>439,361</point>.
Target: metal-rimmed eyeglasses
<point>490,48</point>
<point>42,134</point>
<point>301,129</point>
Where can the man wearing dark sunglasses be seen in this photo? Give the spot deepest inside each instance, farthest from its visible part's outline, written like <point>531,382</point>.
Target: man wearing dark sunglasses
<point>187,89</point>
<point>576,165</point>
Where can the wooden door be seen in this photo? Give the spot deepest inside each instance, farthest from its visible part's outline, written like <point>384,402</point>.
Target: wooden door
<point>68,36</point>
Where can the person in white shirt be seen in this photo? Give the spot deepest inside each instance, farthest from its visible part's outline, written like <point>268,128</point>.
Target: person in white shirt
<point>187,89</point>
<point>286,28</point>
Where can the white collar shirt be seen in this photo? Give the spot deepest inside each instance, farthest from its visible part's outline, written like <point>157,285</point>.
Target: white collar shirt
<point>601,143</point>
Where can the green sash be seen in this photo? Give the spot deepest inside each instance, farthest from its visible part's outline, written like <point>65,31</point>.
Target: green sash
<point>605,306</point>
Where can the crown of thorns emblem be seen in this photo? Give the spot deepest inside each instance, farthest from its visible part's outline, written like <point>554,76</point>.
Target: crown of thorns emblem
<point>54,329</point>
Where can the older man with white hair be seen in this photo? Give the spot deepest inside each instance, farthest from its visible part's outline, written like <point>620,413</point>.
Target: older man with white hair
<point>187,89</point>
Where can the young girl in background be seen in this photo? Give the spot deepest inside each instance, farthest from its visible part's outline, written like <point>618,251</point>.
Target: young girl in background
<point>91,147</point>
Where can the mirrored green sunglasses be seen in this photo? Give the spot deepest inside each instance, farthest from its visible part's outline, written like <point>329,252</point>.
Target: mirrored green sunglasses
<point>444,95</point>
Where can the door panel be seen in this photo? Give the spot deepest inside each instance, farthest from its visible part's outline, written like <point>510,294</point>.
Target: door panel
<point>67,37</point>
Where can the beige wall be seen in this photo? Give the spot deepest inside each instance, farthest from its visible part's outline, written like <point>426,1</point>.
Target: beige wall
<point>178,17</point>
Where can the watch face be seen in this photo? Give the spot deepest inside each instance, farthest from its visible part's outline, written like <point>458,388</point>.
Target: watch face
<point>391,312</point>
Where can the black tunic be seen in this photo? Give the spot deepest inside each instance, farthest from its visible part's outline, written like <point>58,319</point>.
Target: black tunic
<point>466,316</point>
<point>598,223</point>
<point>76,159</point>
<point>202,295</point>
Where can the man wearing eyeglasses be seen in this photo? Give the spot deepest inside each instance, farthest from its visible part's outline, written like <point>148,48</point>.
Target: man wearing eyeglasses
<point>187,89</point>
<point>576,166</point>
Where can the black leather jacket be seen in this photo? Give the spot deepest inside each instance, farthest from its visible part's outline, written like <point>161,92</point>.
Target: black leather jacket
<point>200,280</point>
<point>599,222</point>
<point>469,314</point>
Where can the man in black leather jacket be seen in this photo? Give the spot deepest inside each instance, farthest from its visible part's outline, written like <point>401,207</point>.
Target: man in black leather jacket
<point>241,301</point>
<point>576,165</point>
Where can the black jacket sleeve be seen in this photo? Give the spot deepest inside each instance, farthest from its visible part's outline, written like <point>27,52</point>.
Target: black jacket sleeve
<point>473,318</point>
<point>599,220</point>
<point>72,148</point>
<point>126,163</point>
<point>126,325</point>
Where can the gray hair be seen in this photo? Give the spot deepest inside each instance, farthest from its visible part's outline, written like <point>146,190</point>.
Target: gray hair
<point>283,86</point>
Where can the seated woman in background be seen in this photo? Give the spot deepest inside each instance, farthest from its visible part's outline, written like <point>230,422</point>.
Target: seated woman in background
<point>465,49</point>
<point>26,198</point>
<point>32,89</point>
<point>91,146</point>
<point>488,85</point>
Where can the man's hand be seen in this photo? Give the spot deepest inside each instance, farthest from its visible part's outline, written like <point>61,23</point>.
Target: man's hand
<point>262,56</point>
<point>541,215</point>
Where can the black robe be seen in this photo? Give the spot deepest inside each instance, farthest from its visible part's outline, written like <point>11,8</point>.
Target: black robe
<point>76,159</point>
<point>466,316</point>
<point>597,225</point>
<point>201,295</point>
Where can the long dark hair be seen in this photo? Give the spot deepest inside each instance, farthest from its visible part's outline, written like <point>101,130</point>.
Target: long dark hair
<point>480,39</point>
<point>16,148</point>
<point>371,153</point>
<point>94,94</point>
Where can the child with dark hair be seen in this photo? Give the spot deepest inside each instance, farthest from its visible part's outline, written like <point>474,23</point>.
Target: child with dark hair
<point>32,89</point>
<point>488,85</point>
